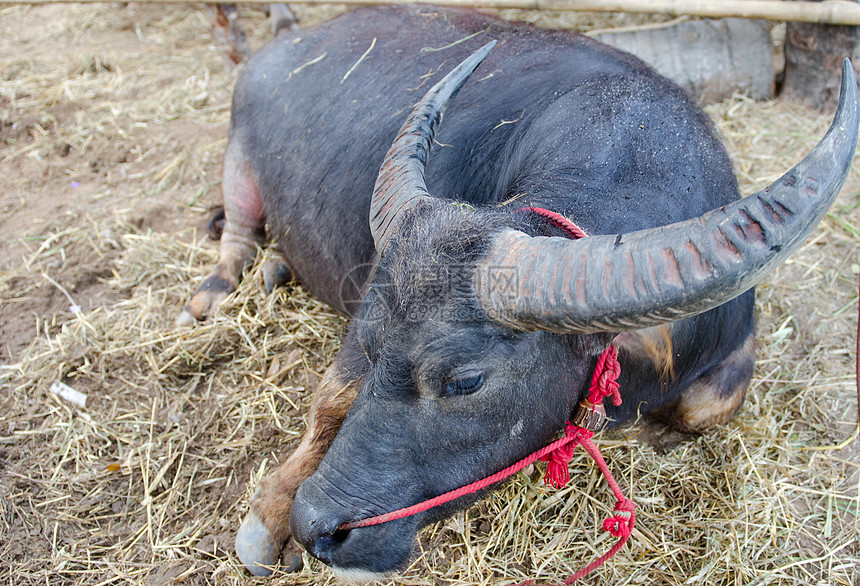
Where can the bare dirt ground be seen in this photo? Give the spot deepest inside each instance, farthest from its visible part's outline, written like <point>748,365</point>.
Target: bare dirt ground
<point>113,121</point>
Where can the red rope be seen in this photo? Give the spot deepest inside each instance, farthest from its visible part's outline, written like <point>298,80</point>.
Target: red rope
<point>604,381</point>
<point>572,229</point>
<point>619,525</point>
<point>470,488</point>
<point>557,454</point>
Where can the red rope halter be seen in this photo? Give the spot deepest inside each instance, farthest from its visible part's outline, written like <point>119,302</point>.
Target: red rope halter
<point>590,417</point>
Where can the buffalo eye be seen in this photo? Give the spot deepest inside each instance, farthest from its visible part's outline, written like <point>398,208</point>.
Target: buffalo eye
<point>464,386</point>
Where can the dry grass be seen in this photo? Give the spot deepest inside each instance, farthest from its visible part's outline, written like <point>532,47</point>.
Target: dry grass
<point>148,483</point>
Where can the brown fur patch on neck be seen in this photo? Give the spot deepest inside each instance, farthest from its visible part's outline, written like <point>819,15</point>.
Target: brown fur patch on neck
<point>654,344</point>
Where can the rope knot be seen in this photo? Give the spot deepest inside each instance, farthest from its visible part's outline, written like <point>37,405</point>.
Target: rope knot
<point>621,524</point>
<point>557,475</point>
<point>604,381</point>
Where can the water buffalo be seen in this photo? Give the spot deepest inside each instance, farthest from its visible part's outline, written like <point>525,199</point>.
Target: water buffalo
<point>477,322</point>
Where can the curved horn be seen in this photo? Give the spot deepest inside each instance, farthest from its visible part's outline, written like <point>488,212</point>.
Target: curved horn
<point>400,184</point>
<point>622,282</point>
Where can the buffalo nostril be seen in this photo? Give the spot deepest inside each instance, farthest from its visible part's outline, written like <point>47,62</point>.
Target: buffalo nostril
<point>324,546</point>
<point>315,523</point>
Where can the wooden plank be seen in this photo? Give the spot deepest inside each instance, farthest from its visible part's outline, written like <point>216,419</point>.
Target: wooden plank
<point>826,12</point>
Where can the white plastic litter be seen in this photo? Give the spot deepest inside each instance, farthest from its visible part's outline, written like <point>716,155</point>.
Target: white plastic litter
<point>69,394</point>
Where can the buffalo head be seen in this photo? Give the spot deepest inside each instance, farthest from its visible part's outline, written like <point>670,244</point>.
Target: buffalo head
<point>479,336</point>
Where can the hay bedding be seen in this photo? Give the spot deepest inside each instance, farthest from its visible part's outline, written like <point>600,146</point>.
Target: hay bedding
<point>112,125</point>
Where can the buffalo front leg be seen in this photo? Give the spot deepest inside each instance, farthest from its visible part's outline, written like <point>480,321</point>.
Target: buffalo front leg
<point>229,34</point>
<point>242,233</point>
<point>267,527</point>
<point>716,396</point>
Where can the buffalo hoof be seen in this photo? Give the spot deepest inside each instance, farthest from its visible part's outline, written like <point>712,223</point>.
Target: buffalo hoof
<point>255,547</point>
<point>212,291</point>
<point>292,562</point>
<point>185,319</point>
<point>276,273</point>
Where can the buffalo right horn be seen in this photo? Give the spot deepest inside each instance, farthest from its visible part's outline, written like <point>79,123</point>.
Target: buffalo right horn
<point>617,282</point>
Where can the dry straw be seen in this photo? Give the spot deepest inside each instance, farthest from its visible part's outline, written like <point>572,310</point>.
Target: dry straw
<point>148,483</point>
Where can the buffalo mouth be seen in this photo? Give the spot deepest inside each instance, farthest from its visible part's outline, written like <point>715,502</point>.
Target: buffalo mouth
<point>354,555</point>
<point>361,555</point>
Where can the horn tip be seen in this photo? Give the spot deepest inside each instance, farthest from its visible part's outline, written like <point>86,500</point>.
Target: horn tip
<point>485,50</point>
<point>847,67</point>
<point>471,63</point>
<point>848,101</point>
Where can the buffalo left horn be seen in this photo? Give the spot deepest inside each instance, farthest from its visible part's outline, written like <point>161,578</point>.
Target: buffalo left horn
<point>400,184</point>
<point>620,282</point>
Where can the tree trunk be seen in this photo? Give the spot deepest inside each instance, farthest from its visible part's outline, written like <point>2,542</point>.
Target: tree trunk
<point>711,59</point>
<point>813,62</point>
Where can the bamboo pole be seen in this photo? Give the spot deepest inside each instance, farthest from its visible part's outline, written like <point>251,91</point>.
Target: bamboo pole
<point>827,12</point>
